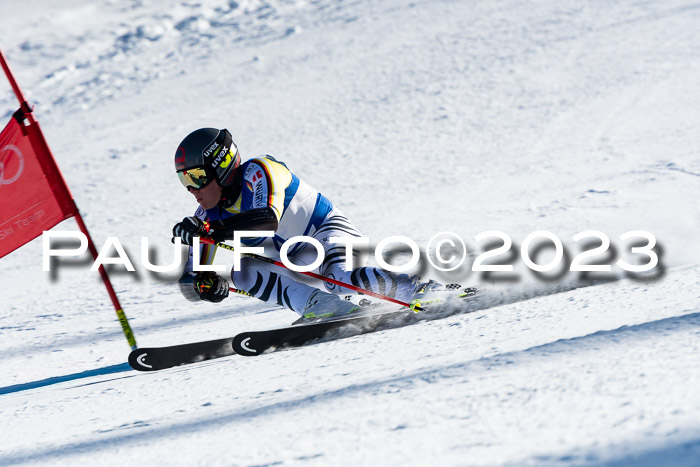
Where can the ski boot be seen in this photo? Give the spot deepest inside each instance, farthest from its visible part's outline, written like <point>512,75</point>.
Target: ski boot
<point>432,293</point>
<point>324,306</point>
<point>426,293</point>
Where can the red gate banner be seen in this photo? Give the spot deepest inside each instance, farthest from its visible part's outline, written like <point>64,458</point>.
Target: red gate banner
<point>33,197</point>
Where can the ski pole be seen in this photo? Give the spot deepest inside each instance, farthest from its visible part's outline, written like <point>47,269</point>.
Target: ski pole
<point>414,307</point>
<point>239,291</point>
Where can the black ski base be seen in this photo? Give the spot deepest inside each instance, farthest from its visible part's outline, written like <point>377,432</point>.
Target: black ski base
<point>160,358</point>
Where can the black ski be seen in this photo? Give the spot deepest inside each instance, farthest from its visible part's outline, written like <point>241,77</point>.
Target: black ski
<point>256,342</point>
<point>160,358</point>
<point>247,343</point>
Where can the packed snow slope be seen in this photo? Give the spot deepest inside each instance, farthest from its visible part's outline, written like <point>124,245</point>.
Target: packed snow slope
<point>414,117</point>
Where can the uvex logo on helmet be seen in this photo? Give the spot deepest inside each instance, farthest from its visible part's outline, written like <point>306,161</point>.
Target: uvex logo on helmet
<point>223,154</point>
<point>210,150</point>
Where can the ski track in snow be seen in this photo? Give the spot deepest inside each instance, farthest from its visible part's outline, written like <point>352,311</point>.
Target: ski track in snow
<point>414,117</point>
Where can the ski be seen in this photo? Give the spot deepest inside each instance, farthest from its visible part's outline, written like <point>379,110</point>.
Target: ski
<point>257,342</point>
<point>254,343</point>
<point>160,358</point>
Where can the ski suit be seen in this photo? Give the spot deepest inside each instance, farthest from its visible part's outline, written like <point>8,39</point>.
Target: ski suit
<point>300,210</point>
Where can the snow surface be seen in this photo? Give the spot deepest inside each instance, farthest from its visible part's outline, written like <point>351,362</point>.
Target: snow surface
<point>414,117</point>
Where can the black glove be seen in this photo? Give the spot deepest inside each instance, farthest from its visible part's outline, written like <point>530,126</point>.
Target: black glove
<point>211,286</point>
<point>189,228</point>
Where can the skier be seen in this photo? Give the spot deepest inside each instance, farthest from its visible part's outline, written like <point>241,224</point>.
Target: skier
<point>263,194</point>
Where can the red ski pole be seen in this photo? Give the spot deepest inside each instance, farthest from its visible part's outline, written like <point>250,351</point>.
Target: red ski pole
<point>415,308</point>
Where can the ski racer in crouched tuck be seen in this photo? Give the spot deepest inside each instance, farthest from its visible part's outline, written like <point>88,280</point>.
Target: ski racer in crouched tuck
<point>263,194</point>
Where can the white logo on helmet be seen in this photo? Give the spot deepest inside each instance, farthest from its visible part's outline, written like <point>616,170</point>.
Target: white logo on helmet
<point>210,150</point>
<point>222,154</point>
<point>6,179</point>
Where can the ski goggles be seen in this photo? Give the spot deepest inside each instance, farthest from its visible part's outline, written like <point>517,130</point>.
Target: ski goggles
<point>196,178</point>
